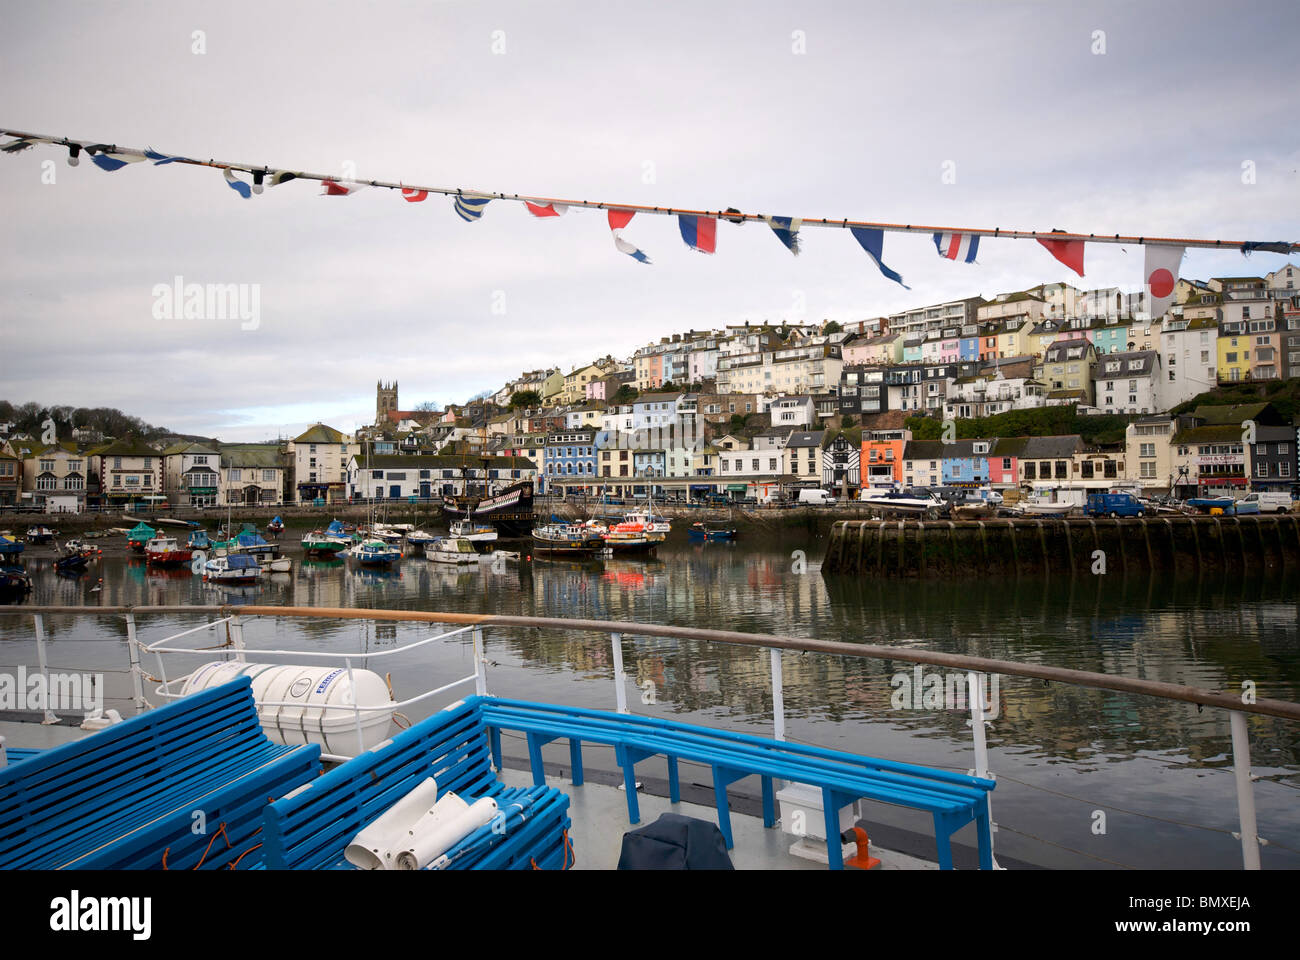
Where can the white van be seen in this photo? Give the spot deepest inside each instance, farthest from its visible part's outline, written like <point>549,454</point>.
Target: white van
<point>1270,502</point>
<point>816,496</point>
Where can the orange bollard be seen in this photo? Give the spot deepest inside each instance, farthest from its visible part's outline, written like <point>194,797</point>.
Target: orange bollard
<point>863,860</point>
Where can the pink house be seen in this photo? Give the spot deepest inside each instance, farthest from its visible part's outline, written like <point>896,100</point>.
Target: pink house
<point>596,390</point>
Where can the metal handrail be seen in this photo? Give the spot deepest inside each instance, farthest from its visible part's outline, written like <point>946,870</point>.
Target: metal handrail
<point>1282,709</point>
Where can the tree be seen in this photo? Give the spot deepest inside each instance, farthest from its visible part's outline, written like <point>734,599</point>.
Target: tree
<point>525,398</point>
<point>833,327</point>
<point>625,394</point>
<point>847,421</point>
<point>737,423</point>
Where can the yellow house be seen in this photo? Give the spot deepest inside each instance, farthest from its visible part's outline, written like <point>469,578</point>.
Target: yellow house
<point>1234,355</point>
<point>552,386</point>
<point>1014,336</point>
<point>575,383</point>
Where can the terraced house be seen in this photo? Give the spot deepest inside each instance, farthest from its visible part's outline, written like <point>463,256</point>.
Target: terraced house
<point>190,475</point>
<point>11,477</point>
<point>400,477</point>
<point>58,471</point>
<point>130,471</point>
<point>252,473</point>
<point>319,460</point>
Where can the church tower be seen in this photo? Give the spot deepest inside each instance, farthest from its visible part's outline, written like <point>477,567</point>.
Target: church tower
<point>385,400</point>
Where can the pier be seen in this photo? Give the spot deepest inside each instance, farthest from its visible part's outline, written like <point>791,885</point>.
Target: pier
<point>1067,547</point>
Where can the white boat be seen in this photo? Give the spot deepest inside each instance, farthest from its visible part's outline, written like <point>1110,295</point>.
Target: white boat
<point>456,550</point>
<point>499,556</point>
<point>421,538</point>
<point>474,532</point>
<point>275,564</point>
<point>375,552</point>
<point>915,502</point>
<point>234,568</point>
<point>385,533</point>
<point>1044,505</point>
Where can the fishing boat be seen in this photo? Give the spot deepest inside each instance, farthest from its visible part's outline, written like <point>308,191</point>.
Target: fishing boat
<point>234,568</point>
<point>708,532</point>
<point>10,546</point>
<point>275,527</point>
<point>654,527</point>
<point>626,538</point>
<point>327,542</point>
<point>479,534</point>
<point>165,552</point>
<point>375,553</point>
<point>565,538</point>
<point>199,540</point>
<point>140,534</point>
<point>453,550</point>
<point>40,534</point>
<point>509,511</point>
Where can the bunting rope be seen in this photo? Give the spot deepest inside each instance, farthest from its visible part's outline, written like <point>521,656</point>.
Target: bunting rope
<point>113,157</point>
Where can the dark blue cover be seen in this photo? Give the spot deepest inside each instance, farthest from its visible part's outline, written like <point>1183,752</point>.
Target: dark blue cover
<point>674,842</point>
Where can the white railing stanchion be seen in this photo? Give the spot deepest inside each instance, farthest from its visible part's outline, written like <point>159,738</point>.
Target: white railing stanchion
<point>45,673</point>
<point>356,705</point>
<point>620,678</point>
<point>975,694</point>
<point>480,664</point>
<point>778,695</point>
<point>137,674</point>
<point>237,637</point>
<point>1245,790</point>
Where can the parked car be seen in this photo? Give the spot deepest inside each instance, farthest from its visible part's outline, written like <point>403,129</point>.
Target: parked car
<point>1114,505</point>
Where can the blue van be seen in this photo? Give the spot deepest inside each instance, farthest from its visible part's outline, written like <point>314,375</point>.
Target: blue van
<point>1113,505</point>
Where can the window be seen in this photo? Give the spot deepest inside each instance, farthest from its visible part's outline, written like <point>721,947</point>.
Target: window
<point>236,474</point>
<point>1147,450</point>
<point>1148,471</point>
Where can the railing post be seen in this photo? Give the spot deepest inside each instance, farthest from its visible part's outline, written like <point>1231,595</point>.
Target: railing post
<point>778,695</point>
<point>356,706</point>
<point>975,694</point>
<point>237,637</point>
<point>1245,790</point>
<point>137,675</point>
<point>45,673</point>
<point>620,678</point>
<point>480,664</point>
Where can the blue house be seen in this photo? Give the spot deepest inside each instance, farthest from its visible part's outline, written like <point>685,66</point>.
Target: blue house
<point>569,455</point>
<point>966,463</point>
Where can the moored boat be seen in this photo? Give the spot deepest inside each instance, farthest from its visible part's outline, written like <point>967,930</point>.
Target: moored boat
<point>509,511</point>
<point>275,527</point>
<point>421,538</point>
<point>165,552</point>
<point>15,584</point>
<point>375,553</point>
<point>453,550</point>
<point>327,542</point>
<point>478,534</point>
<point>565,538</point>
<point>40,534</point>
<point>708,532</point>
<point>235,568</point>
<point>625,538</point>
<point>10,546</point>
<point>199,540</point>
<point>140,534</point>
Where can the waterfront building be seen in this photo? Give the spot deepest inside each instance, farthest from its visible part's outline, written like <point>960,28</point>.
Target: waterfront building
<point>1148,455</point>
<point>250,474</point>
<point>11,477</point>
<point>568,454</point>
<point>881,457</point>
<point>190,475</point>
<point>1046,462</point>
<point>1273,458</point>
<point>402,477</point>
<point>841,464</point>
<point>922,463</point>
<point>801,456</point>
<point>319,461</point>
<point>130,471</point>
<point>58,470</point>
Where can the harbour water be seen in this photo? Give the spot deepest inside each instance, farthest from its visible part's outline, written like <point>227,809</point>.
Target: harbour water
<point>1086,778</point>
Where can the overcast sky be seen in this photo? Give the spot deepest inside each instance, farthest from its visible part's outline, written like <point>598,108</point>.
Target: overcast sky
<point>689,104</point>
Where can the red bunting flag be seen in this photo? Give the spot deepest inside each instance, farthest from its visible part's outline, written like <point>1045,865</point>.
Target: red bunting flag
<point>546,209</point>
<point>414,196</point>
<point>1069,252</point>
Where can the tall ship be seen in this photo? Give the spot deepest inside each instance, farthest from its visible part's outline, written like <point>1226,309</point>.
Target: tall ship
<point>509,510</point>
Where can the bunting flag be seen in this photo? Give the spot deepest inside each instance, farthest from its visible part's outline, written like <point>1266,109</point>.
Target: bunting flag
<point>957,246</point>
<point>239,186</point>
<point>281,176</point>
<point>158,158</point>
<point>873,241</point>
<point>1069,252</point>
<point>618,219</point>
<point>336,188</point>
<point>470,209</point>
<point>1250,246</point>
<point>787,231</point>
<point>414,196</point>
<point>546,209</point>
<point>105,160</point>
<point>1162,276</point>
<point>700,233</point>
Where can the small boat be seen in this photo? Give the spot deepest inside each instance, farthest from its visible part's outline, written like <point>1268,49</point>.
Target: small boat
<point>140,534</point>
<point>475,533</point>
<point>455,550</point>
<point>1036,507</point>
<point>327,542</point>
<point>912,503</point>
<point>375,553</point>
<point>252,543</point>
<point>499,556</point>
<point>235,568</point>
<point>275,564</point>
<point>199,540</point>
<point>387,534</point>
<point>1222,505</point>
<point>71,562</point>
<point>420,538</point>
<point>275,527</point>
<point>703,531</point>
<point>40,534</point>
<point>165,552</point>
<point>10,546</point>
<point>15,584</point>
<point>565,538</point>
<point>973,509</point>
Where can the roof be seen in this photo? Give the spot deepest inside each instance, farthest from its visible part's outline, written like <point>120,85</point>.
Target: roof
<point>259,455</point>
<point>1234,415</point>
<point>1147,358</point>
<point>656,397</point>
<point>1218,433</point>
<point>319,433</point>
<point>128,448</point>
<point>805,439</point>
<point>442,462</point>
<point>1043,448</point>
<point>924,450</point>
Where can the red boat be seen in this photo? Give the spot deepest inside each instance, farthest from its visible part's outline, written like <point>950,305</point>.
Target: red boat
<point>165,552</point>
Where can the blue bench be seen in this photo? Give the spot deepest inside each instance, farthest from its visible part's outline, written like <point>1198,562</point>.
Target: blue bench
<point>311,827</point>
<point>126,796</point>
<point>14,754</point>
<point>953,799</point>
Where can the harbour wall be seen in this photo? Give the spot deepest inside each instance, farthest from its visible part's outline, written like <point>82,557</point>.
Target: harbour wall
<point>1069,547</point>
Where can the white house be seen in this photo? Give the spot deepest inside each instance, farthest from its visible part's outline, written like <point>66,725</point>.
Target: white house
<point>1127,382</point>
